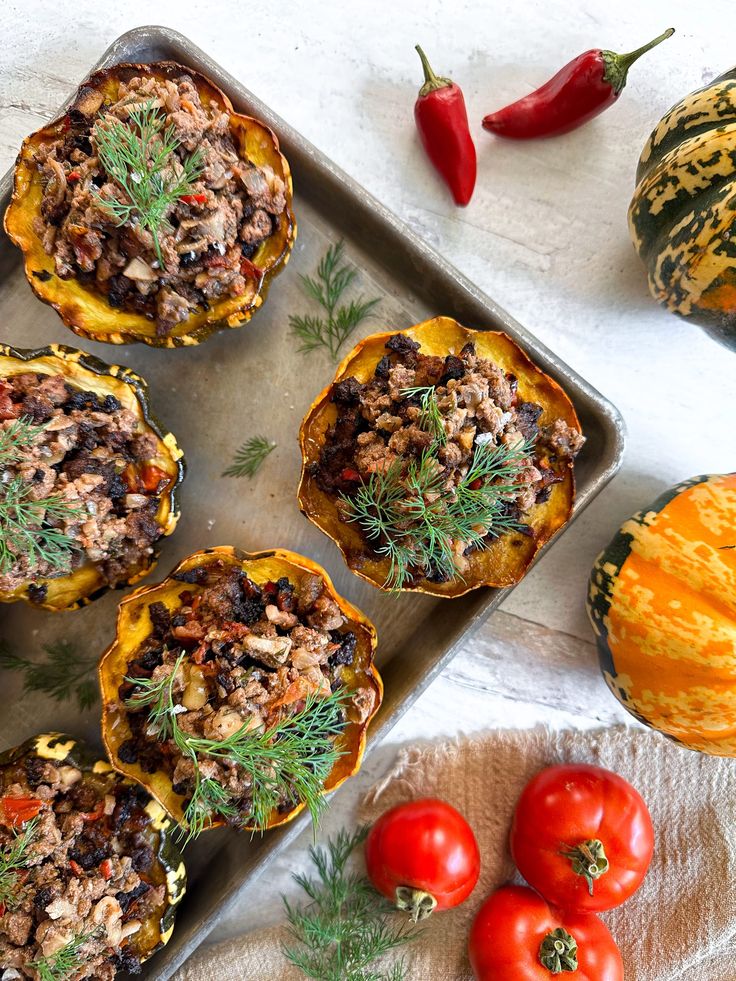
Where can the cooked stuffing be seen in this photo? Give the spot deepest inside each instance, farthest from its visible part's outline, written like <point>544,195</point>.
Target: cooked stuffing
<point>93,454</point>
<point>380,425</point>
<point>209,234</point>
<point>89,871</point>
<point>253,656</point>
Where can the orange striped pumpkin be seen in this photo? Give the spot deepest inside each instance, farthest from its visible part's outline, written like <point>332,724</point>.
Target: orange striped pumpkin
<point>662,601</point>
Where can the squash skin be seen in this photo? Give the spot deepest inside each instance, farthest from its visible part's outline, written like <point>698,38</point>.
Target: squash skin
<point>86,311</point>
<point>662,602</point>
<point>506,559</point>
<point>155,932</point>
<point>134,625</point>
<point>85,584</point>
<point>683,207</point>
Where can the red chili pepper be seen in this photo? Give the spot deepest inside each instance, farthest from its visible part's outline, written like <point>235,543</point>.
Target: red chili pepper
<point>349,474</point>
<point>16,811</point>
<point>583,88</point>
<point>194,198</point>
<point>72,176</point>
<point>442,121</point>
<point>249,269</point>
<point>75,867</point>
<point>106,869</point>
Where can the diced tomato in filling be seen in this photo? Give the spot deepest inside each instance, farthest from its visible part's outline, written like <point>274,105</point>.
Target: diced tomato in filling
<point>16,811</point>
<point>152,478</point>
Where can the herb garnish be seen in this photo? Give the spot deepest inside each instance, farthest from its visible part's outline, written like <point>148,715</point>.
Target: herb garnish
<point>13,858</point>
<point>27,526</point>
<point>347,924</point>
<point>140,157</point>
<point>292,758</point>
<point>430,417</point>
<point>415,519</point>
<point>331,281</point>
<point>63,675</point>
<point>248,459</point>
<point>65,962</point>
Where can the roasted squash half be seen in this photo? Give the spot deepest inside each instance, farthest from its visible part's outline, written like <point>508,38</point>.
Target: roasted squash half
<point>662,601</point>
<point>505,559</point>
<point>361,679</point>
<point>681,216</point>
<point>157,834</point>
<point>90,374</point>
<point>87,311</point>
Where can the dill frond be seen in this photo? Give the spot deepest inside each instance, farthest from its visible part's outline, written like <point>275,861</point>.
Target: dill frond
<point>249,458</point>
<point>326,289</point>
<point>65,962</point>
<point>13,858</point>
<point>63,675</point>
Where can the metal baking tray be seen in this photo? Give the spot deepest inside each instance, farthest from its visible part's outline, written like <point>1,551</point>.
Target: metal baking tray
<point>250,381</point>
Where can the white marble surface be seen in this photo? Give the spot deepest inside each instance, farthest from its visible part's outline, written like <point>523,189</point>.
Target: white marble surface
<point>545,235</point>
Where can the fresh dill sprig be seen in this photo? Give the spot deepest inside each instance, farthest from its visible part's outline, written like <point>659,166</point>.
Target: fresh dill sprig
<point>65,962</point>
<point>290,760</point>
<point>327,287</point>
<point>28,526</point>
<point>415,520</point>
<point>63,675</point>
<point>13,859</point>
<point>430,417</point>
<point>140,157</point>
<point>346,925</point>
<point>248,459</point>
<point>18,436</point>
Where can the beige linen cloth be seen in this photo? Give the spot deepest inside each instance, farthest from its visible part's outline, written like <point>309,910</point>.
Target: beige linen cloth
<point>680,925</point>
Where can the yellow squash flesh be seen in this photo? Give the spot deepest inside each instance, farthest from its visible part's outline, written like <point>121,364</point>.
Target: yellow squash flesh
<point>87,311</point>
<point>506,558</point>
<point>134,626</point>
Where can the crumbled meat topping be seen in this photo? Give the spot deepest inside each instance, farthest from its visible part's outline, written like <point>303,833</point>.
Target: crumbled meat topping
<point>210,234</point>
<point>253,655</point>
<point>379,423</point>
<point>90,869</point>
<point>94,454</point>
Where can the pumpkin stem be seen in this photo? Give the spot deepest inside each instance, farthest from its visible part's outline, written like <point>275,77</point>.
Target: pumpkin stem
<point>589,860</point>
<point>432,82</point>
<point>558,952</point>
<point>416,902</point>
<point>617,65</point>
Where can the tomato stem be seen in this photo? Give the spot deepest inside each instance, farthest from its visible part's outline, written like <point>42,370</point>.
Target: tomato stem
<point>558,952</point>
<point>589,860</point>
<point>416,902</point>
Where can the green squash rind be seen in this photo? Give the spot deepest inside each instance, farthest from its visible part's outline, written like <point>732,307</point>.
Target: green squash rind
<point>76,753</point>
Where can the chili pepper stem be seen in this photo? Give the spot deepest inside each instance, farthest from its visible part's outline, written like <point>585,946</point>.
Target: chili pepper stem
<point>617,65</point>
<point>432,82</point>
<point>416,902</point>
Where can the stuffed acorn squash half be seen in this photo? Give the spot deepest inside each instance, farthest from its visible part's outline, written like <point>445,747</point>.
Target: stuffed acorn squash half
<point>89,876</point>
<point>239,690</point>
<point>88,478</point>
<point>152,211</point>
<point>440,459</point>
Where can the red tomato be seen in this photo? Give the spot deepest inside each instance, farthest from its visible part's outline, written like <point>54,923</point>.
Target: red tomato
<point>17,810</point>
<point>582,836</point>
<point>517,936</point>
<point>423,855</point>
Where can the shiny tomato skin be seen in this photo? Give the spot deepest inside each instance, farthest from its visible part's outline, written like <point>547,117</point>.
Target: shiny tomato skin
<point>509,929</point>
<point>426,845</point>
<point>572,803</point>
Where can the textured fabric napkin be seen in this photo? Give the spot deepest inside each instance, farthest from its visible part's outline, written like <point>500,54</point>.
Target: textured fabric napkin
<point>680,925</point>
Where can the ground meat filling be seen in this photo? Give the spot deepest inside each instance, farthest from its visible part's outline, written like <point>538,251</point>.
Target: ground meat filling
<point>92,454</point>
<point>211,233</point>
<point>378,424</point>
<point>254,654</point>
<point>90,870</point>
